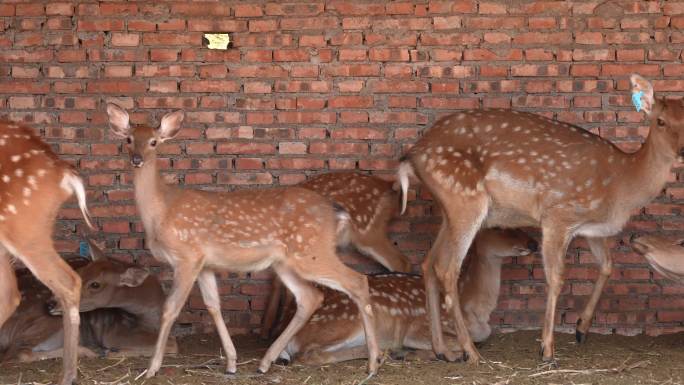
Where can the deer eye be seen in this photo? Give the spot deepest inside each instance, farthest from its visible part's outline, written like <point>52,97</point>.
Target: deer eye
<point>153,142</point>
<point>129,140</point>
<point>94,285</point>
<point>661,122</point>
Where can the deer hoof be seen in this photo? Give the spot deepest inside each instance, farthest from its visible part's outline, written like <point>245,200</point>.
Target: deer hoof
<point>282,361</point>
<point>580,336</point>
<point>230,373</point>
<point>442,357</point>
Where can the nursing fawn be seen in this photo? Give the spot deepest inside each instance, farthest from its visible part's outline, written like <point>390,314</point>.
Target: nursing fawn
<point>371,202</point>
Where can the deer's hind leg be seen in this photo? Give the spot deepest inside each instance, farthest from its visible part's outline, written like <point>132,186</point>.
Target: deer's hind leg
<point>38,254</point>
<point>464,214</point>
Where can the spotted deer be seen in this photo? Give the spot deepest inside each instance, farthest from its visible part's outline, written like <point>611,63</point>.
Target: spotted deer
<point>507,168</point>
<point>371,203</point>
<point>199,232</point>
<point>334,333</point>
<point>121,309</point>
<point>34,183</point>
<point>666,256</point>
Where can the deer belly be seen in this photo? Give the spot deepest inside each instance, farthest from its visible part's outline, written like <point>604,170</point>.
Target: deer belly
<point>512,205</point>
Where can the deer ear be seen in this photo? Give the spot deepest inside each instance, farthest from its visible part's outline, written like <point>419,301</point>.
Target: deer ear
<point>642,94</point>
<point>119,121</point>
<point>170,125</point>
<point>133,277</point>
<point>94,250</point>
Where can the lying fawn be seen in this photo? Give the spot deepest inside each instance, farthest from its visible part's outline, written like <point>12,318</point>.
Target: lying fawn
<point>198,232</point>
<point>334,333</point>
<point>121,309</point>
<point>666,256</point>
<point>34,183</point>
<point>371,203</point>
<point>507,168</point>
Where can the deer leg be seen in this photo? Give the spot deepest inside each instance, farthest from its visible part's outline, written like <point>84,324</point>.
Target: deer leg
<point>554,246</point>
<point>308,300</point>
<point>601,251</point>
<point>271,312</point>
<point>65,284</point>
<point>464,216</point>
<point>322,357</point>
<point>184,275</point>
<point>210,294</point>
<point>9,292</point>
<point>433,297</point>
<point>340,277</point>
<point>381,249</point>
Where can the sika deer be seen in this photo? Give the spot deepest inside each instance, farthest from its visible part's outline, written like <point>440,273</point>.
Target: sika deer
<point>34,185</point>
<point>666,256</point>
<point>508,168</point>
<point>199,232</point>
<point>121,308</point>
<point>334,333</point>
<point>371,203</point>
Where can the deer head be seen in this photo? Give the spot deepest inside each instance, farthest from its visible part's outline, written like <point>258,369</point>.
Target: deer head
<point>142,141</point>
<point>105,282</point>
<point>501,243</point>
<point>666,115</point>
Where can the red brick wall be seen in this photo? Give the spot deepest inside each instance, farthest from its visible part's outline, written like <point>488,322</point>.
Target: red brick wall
<point>311,87</point>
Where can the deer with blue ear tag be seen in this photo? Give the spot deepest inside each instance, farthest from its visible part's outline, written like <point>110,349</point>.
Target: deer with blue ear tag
<point>508,168</point>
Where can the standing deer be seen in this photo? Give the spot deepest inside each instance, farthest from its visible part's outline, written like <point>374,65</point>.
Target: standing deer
<point>334,333</point>
<point>666,256</point>
<point>371,202</point>
<point>34,183</point>
<point>506,168</point>
<point>121,309</point>
<point>198,232</point>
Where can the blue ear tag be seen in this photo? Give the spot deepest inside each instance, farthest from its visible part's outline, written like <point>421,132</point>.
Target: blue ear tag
<point>636,99</point>
<point>83,249</point>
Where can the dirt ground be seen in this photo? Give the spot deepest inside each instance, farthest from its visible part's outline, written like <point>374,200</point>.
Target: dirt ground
<point>513,359</point>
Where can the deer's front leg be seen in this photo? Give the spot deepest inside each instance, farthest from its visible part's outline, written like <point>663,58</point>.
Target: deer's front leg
<point>185,273</point>
<point>554,246</point>
<point>601,251</point>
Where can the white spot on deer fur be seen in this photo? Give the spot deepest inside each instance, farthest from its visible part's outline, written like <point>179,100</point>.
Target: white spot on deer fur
<point>11,208</point>
<point>41,172</point>
<point>26,191</point>
<point>19,172</point>
<point>6,178</point>
<point>15,158</point>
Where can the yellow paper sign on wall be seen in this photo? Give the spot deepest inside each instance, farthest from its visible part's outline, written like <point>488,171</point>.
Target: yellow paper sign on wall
<point>217,40</point>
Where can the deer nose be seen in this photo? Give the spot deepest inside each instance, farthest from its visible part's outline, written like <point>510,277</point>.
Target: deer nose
<point>533,246</point>
<point>136,160</point>
<point>632,238</point>
<point>51,307</point>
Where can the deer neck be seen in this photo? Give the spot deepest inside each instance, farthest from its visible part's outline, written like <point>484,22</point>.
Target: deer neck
<point>650,168</point>
<point>150,195</point>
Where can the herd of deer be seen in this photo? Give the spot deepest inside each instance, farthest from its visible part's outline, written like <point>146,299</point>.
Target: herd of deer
<point>486,169</point>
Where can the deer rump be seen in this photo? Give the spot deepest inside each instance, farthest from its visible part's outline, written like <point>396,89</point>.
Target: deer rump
<point>32,333</point>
